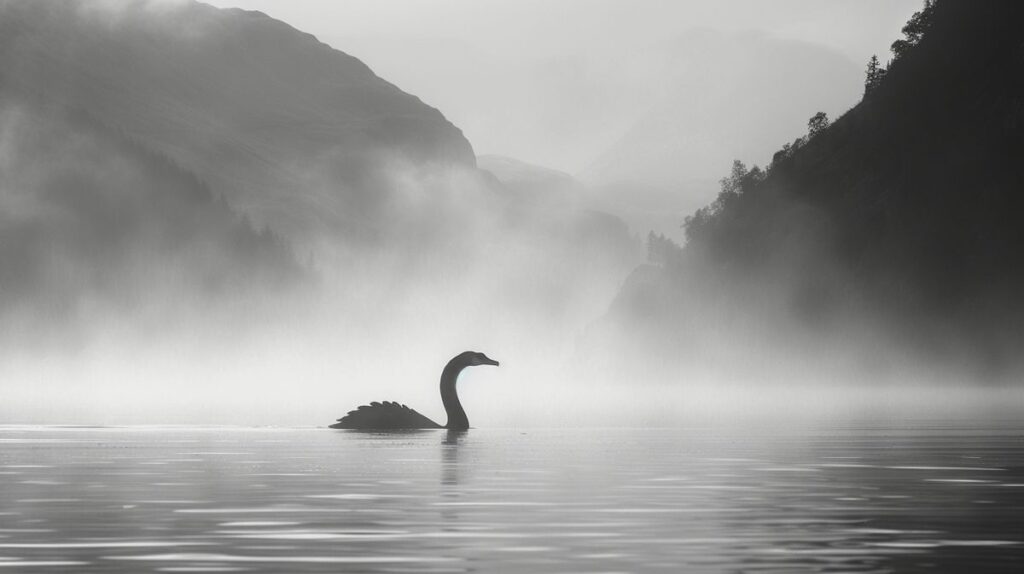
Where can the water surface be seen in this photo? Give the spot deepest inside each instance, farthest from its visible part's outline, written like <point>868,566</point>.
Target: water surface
<point>914,499</point>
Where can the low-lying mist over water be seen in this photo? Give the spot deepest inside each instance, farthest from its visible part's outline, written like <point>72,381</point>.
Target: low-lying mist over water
<point>532,286</point>
<point>209,216</point>
<point>371,261</point>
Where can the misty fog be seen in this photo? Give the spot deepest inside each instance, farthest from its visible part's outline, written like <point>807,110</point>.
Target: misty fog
<point>295,241</point>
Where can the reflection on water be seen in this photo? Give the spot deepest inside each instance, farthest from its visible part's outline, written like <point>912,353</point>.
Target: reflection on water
<point>609,500</point>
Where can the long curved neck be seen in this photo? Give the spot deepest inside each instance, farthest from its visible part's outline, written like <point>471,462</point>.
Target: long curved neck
<point>457,419</point>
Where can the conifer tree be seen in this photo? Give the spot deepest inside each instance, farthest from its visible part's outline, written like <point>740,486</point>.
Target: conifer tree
<point>874,75</point>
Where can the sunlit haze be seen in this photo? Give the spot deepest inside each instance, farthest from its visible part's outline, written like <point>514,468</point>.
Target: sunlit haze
<point>210,216</point>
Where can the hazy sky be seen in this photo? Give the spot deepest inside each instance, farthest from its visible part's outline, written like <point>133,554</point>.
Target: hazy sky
<point>496,67</point>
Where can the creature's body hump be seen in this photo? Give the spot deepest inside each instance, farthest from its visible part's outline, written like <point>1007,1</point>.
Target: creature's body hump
<point>386,415</point>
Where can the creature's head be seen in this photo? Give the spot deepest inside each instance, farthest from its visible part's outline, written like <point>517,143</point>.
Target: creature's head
<point>474,359</point>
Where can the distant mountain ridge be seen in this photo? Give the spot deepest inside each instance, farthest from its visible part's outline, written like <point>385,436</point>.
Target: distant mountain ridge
<point>515,173</point>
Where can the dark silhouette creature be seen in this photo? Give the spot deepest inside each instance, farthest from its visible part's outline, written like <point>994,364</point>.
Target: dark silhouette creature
<point>393,416</point>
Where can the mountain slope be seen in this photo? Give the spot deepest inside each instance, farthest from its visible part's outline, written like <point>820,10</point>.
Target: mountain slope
<point>93,225</point>
<point>906,214</point>
<point>521,176</point>
<point>708,106</point>
<point>197,119</point>
<point>290,131</point>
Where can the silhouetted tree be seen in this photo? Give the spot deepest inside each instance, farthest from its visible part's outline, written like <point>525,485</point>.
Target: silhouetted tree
<point>733,185</point>
<point>740,181</point>
<point>780,155</point>
<point>817,124</point>
<point>874,75</point>
<point>914,29</point>
<point>900,47</point>
<point>661,249</point>
<point>694,225</point>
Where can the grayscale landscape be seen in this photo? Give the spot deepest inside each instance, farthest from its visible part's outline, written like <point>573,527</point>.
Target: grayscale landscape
<point>708,286</point>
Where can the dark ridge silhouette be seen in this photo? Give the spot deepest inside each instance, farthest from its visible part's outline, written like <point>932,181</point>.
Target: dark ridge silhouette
<point>393,416</point>
<point>905,212</point>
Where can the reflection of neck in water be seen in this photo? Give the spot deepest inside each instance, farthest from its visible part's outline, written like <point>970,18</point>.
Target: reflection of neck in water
<point>450,460</point>
<point>450,491</point>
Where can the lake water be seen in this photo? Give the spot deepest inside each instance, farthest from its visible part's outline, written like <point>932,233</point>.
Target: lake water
<point>600,500</point>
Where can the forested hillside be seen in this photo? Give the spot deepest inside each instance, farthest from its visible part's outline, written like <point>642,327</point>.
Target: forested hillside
<point>904,217</point>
